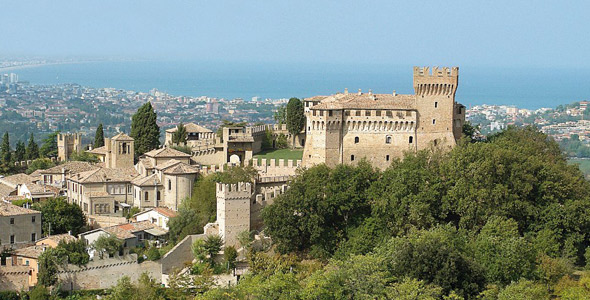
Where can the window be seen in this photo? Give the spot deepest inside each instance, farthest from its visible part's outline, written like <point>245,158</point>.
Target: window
<point>408,113</point>
<point>357,113</point>
<point>352,158</point>
<point>411,140</point>
<point>158,195</point>
<point>435,104</point>
<point>321,113</point>
<point>356,139</point>
<point>128,189</point>
<point>330,113</point>
<point>12,239</point>
<point>367,113</point>
<point>314,113</point>
<point>389,113</point>
<point>33,237</point>
<point>388,139</point>
<point>26,262</point>
<point>169,184</point>
<point>147,198</point>
<point>11,221</point>
<point>433,121</point>
<point>347,113</point>
<point>378,113</point>
<point>387,157</point>
<point>33,219</point>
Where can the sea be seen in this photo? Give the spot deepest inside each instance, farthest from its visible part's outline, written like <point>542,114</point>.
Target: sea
<point>521,87</point>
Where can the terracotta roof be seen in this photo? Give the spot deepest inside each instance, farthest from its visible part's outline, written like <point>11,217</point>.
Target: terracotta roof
<point>36,189</point>
<point>177,167</point>
<point>146,181</point>
<point>7,209</point>
<point>17,179</point>
<point>66,237</point>
<point>367,101</point>
<point>6,190</point>
<point>190,127</point>
<point>100,150</point>
<point>165,211</point>
<point>125,231</point>
<point>70,167</point>
<point>101,175</point>
<point>166,152</point>
<point>122,137</point>
<point>147,163</point>
<point>31,251</point>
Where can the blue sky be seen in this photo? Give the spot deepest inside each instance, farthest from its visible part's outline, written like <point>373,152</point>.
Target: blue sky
<point>475,33</point>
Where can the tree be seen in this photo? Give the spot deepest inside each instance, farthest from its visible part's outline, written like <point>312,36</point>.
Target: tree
<point>75,251</point>
<point>5,151</point>
<point>62,216</point>
<point>280,115</point>
<point>180,136</point>
<point>84,156</point>
<point>48,262</point>
<point>20,151</point>
<point>107,243</point>
<point>32,149</point>
<point>295,117</point>
<point>145,130</point>
<point>99,137</point>
<point>212,246</point>
<point>40,164</point>
<point>230,255</point>
<point>49,147</point>
<point>524,290</point>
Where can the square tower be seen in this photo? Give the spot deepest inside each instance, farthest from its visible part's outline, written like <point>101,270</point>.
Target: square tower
<point>119,151</point>
<point>67,144</point>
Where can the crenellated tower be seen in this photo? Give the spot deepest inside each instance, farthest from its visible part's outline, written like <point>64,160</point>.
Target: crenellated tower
<point>67,144</point>
<point>437,110</point>
<point>233,210</point>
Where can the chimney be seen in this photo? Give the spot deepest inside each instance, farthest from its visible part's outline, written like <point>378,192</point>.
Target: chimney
<point>394,93</point>
<point>346,91</point>
<point>360,93</point>
<point>370,92</point>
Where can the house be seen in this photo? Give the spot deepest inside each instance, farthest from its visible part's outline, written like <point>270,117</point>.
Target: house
<point>54,240</point>
<point>158,216</point>
<point>25,186</point>
<point>56,176</point>
<point>19,226</point>
<point>29,256</point>
<point>131,234</point>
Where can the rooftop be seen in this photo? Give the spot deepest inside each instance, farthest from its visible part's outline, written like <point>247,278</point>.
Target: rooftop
<point>71,167</point>
<point>31,251</point>
<point>7,209</point>
<point>146,181</point>
<point>122,137</point>
<point>106,174</point>
<point>100,150</point>
<point>66,237</point>
<point>174,166</point>
<point>367,101</point>
<point>167,212</point>
<point>166,152</point>
<point>191,127</point>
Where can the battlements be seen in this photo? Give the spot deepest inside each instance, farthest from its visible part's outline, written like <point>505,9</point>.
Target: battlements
<point>234,191</point>
<point>436,72</point>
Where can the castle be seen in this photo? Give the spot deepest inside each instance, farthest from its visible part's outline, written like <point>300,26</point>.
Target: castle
<point>346,127</point>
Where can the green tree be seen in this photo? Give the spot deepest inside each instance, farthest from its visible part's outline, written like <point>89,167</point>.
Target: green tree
<point>524,290</point>
<point>145,130</point>
<point>212,246</point>
<point>75,251</point>
<point>20,151</point>
<point>230,255</point>
<point>99,137</point>
<point>49,147</point>
<point>5,151</point>
<point>62,216</point>
<point>280,115</point>
<point>107,244</point>
<point>32,149</point>
<point>49,261</point>
<point>187,221</point>
<point>180,136</point>
<point>295,117</point>
<point>40,164</point>
<point>39,292</point>
<point>84,156</point>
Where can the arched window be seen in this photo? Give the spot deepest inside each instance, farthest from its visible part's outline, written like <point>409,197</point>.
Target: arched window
<point>387,157</point>
<point>356,139</point>
<point>388,139</point>
<point>411,140</point>
<point>352,158</point>
<point>147,198</point>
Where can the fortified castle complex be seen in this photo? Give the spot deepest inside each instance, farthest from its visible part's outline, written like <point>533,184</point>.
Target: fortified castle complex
<point>345,127</point>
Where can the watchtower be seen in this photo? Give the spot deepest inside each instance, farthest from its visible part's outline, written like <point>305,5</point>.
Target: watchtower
<point>233,210</point>
<point>435,102</point>
<point>67,144</point>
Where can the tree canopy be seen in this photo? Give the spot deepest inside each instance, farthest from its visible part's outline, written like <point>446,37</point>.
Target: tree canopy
<point>62,216</point>
<point>180,136</point>
<point>295,117</point>
<point>99,137</point>
<point>145,130</point>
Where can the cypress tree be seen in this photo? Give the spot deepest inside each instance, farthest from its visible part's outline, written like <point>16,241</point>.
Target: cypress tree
<point>20,151</point>
<point>99,137</point>
<point>5,149</point>
<point>295,117</point>
<point>180,136</point>
<point>145,130</point>
<point>32,149</point>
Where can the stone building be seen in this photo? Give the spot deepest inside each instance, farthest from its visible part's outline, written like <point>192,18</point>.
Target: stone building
<point>19,226</point>
<point>68,143</point>
<point>346,127</point>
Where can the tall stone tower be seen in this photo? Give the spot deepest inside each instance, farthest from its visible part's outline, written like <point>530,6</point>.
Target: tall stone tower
<point>324,144</point>
<point>438,123</point>
<point>119,151</point>
<point>233,210</point>
<point>67,144</point>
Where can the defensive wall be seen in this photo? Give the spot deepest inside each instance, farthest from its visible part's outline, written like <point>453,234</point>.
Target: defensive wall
<point>180,255</point>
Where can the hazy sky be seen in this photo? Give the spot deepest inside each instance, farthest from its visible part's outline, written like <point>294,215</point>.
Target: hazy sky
<point>476,33</point>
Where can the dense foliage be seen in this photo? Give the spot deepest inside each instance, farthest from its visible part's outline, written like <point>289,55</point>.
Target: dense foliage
<point>180,136</point>
<point>295,117</point>
<point>60,216</point>
<point>144,129</point>
<point>99,137</point>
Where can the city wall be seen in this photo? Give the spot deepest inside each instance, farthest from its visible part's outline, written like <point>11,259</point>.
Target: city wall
<point>180,255</point>
<point>14,278</point>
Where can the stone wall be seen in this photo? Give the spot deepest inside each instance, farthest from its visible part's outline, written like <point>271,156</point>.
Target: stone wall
<point>14,278</point>
<point>181,254</point>
<point>104,273</point>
